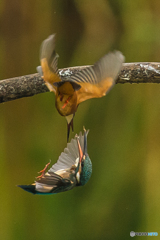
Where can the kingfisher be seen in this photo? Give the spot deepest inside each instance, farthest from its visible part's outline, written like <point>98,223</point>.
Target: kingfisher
<point>73,168</point>
<point>91,82</point>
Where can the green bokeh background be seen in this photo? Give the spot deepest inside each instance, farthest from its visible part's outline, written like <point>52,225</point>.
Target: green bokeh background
<point>123,193</point>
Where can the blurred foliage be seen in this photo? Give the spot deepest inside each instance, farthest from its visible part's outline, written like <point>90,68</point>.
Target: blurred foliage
<point>123,194</point>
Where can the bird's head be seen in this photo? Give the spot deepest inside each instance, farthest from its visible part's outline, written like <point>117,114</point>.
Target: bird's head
<point>84,169</point>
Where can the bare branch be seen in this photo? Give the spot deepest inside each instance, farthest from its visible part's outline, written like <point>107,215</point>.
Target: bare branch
<point>142,72</point>
<point>29,85</point>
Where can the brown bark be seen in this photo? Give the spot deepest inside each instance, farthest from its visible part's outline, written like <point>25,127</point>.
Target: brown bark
<point>29,85</point>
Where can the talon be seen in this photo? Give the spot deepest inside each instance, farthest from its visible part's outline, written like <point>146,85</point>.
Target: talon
<point>39,176</point>
<point>43,170</point>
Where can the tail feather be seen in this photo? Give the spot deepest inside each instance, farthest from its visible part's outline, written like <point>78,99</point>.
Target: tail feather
<point>29,188</point>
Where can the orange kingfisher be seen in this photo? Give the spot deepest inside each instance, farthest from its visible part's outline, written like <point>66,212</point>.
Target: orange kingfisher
<point>73,168</point>
<point>91,82</point>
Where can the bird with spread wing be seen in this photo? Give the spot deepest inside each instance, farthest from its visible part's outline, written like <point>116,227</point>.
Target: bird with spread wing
<point>91,82</point>
<point>73,168</point>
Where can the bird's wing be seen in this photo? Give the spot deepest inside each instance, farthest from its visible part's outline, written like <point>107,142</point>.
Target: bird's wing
<point>49,63</point>
<point>47,183</point>
<point>97,80</point>
<point>69,155</point>
<point>52,183</point>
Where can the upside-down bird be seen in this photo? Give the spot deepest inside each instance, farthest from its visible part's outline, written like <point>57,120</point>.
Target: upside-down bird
<point>91,82</point>
<point>73,168</point>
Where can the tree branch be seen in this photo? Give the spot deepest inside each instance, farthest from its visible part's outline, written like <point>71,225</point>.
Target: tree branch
<point>29,85</point>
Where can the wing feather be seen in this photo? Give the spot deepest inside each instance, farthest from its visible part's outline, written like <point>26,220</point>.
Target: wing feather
<point>52,183</point>
<point>49,63</point>
<point>47,51</point>
<point>69,155</point>
<point>97,80</point>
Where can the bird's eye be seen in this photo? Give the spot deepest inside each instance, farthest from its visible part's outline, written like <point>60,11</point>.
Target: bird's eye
<point>82,164</point>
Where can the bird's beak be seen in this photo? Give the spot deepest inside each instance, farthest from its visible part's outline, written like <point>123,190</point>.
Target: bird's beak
<point>80,151</point>
<point>84,152</point>
<point>80,160</point>
<point>69,124</point>
<point>85,142</point>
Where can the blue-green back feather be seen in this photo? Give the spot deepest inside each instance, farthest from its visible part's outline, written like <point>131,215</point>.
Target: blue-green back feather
<point>86,171</point>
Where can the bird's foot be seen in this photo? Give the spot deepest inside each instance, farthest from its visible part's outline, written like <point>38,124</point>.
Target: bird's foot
<point>43,170</point>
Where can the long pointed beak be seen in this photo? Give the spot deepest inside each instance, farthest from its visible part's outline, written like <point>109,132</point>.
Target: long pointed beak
<point>80,151</point>
<point>69,124</point>
<point>85,141</point>
<point>80,160</point>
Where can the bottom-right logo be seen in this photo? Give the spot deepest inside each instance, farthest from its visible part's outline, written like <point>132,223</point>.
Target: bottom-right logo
<point>133,234</point>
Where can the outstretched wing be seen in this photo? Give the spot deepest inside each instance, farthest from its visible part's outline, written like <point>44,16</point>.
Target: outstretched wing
<point>49,184</point>
<point>49,63</point>
<point>69,156</point>
<point>53,183</point>
<point>97,80</point>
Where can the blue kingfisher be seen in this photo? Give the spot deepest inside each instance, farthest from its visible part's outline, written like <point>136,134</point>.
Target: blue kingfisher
<point>73,168</point>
